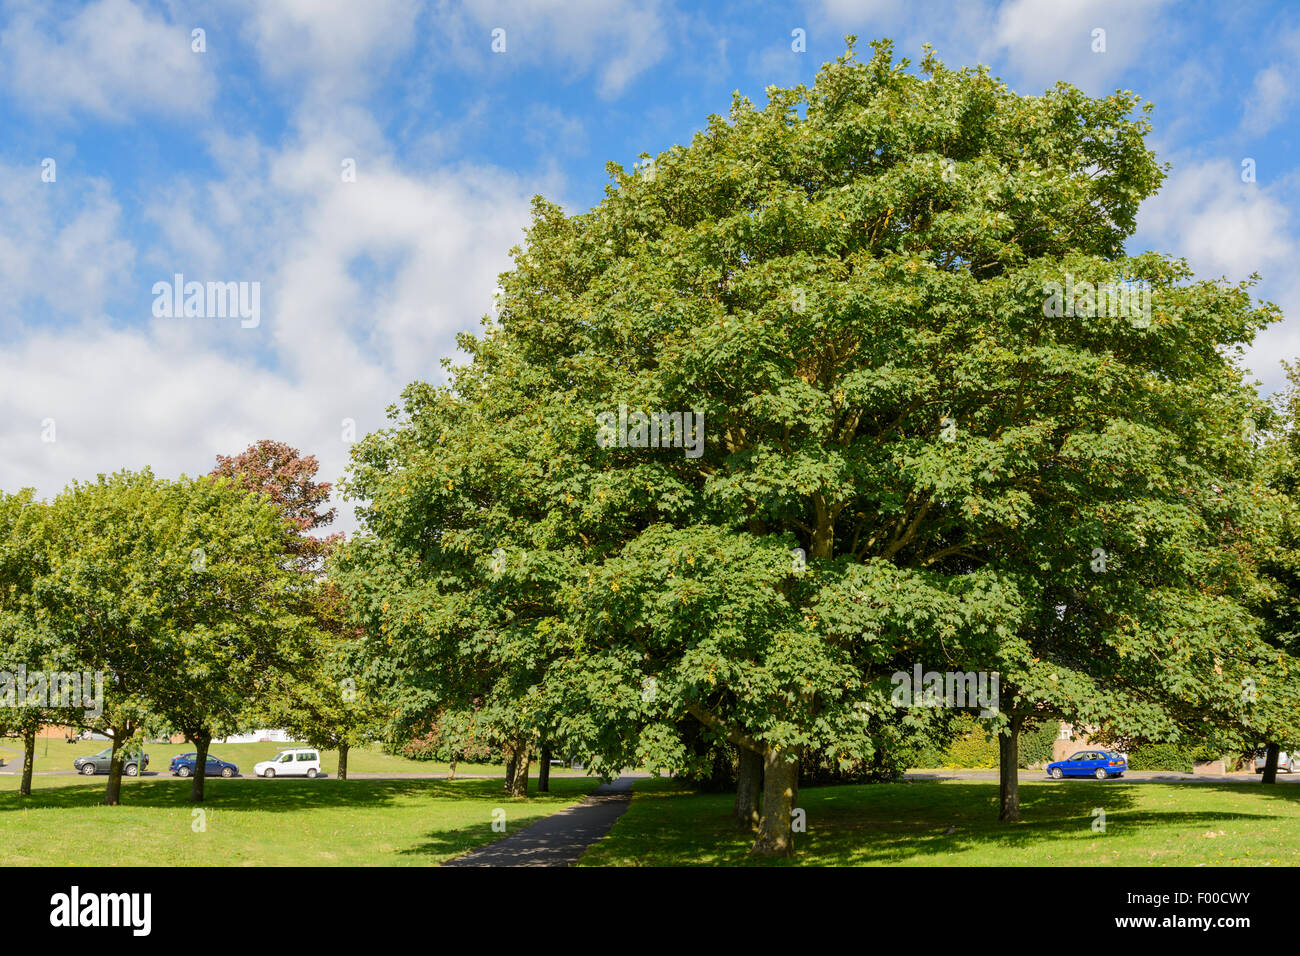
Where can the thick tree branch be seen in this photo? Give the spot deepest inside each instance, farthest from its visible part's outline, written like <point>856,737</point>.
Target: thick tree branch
<point>732,735</point>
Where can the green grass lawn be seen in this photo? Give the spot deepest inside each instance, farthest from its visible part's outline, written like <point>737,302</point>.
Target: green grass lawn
<point>58,755</point>
<point>1147,824</point>
<point>263,822</point>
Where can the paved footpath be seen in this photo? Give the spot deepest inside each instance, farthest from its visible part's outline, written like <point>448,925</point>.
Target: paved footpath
<point>11,761</point>
<point>561,838</point>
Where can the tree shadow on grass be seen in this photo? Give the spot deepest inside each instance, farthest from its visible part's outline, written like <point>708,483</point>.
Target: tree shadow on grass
<point>894,830</point>
<point>927,821</point>
<point>1275,791</point>
<point>286,796</point>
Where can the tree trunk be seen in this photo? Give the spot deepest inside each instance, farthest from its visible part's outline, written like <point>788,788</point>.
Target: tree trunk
<point>1009,772</point>
<point>794,788</point>
<point>780,791</point>
<point>29,758</point>
<point>113,794</point>
<point>202,741</point>
<point>343,761</point>
<point>517,783</point>
<point>451,769</point>
<point>512,760</point>
<point>1270,763</point>
<point>544,770</point>
<point>749,784</point>
<point>823,539</point>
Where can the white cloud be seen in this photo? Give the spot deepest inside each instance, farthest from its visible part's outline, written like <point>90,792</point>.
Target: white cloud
<point>1222,225</point>
<point>1270,97</point>
<point>554,131</point>
<point>364,284</point>
<point>337,48</point>
<point>1043,41</point>
<point>617,40</point>
<point>336,51</point>
<point>847,12</point>
<point>123,399</point>
<point>60,248</point>
<point>1029,43</point>
<point>776,66</point>
<point>954,30</point>
<point>110,59</point>
<point>334,342</point>
<point>1225,227</point>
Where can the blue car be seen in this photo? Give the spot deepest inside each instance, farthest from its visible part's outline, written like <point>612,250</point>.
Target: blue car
<point>1089,763</point>
<point>183,766</point>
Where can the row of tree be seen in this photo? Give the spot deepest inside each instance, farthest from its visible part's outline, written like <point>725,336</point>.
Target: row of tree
<point>199,602</point>
<point>907,458</point>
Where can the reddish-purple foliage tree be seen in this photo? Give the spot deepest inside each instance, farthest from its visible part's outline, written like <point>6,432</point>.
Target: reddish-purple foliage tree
<point>288,478</point>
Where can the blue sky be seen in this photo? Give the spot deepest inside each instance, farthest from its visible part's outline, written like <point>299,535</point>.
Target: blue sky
<point>225,165</point>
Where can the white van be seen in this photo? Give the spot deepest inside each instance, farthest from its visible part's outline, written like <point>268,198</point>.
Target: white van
<point>290,763</point>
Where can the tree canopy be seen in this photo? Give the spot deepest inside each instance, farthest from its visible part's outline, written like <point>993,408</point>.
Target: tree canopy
<point>179,592</point>
<point>856,293</point>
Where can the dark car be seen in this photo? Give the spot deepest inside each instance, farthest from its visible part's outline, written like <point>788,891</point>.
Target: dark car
<point>183,766</point>
<point>1089,763</point>
<point>102,762</point>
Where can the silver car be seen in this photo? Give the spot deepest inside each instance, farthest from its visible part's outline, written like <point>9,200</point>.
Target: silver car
<point>1285,761</point>
<point>102,762</point>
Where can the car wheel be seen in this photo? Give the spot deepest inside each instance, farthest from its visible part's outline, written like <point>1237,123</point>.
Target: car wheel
<point>1057,773</point>
<point>270,772</point>
<point>1099,774</point>
<point>132,770</point>
<point>312,773</point>
<point>182,771</point>
<point>88,769</point>
<point>227,771</point>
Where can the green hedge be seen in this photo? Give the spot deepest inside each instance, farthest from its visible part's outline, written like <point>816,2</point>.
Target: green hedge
<point>1162,757</point>
<point>1178,757</point>
<point>1036,742</point>
<point>975,748</point>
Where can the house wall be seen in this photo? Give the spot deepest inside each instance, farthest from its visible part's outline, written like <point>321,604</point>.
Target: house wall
<point>1068,740</point>
<point>1071,739</point>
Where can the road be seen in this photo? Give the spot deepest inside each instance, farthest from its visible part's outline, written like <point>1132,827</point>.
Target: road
<point>1152,776</point>
<point>13,767</point>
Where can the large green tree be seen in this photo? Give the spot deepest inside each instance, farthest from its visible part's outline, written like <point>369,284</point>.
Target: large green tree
<point>1275,719</point>
<point>180,591</point>
<point>239,615</point>
<point>443,636</point>
<point>41,681</point>
<point>818,397</point>
<point>99,595</point>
